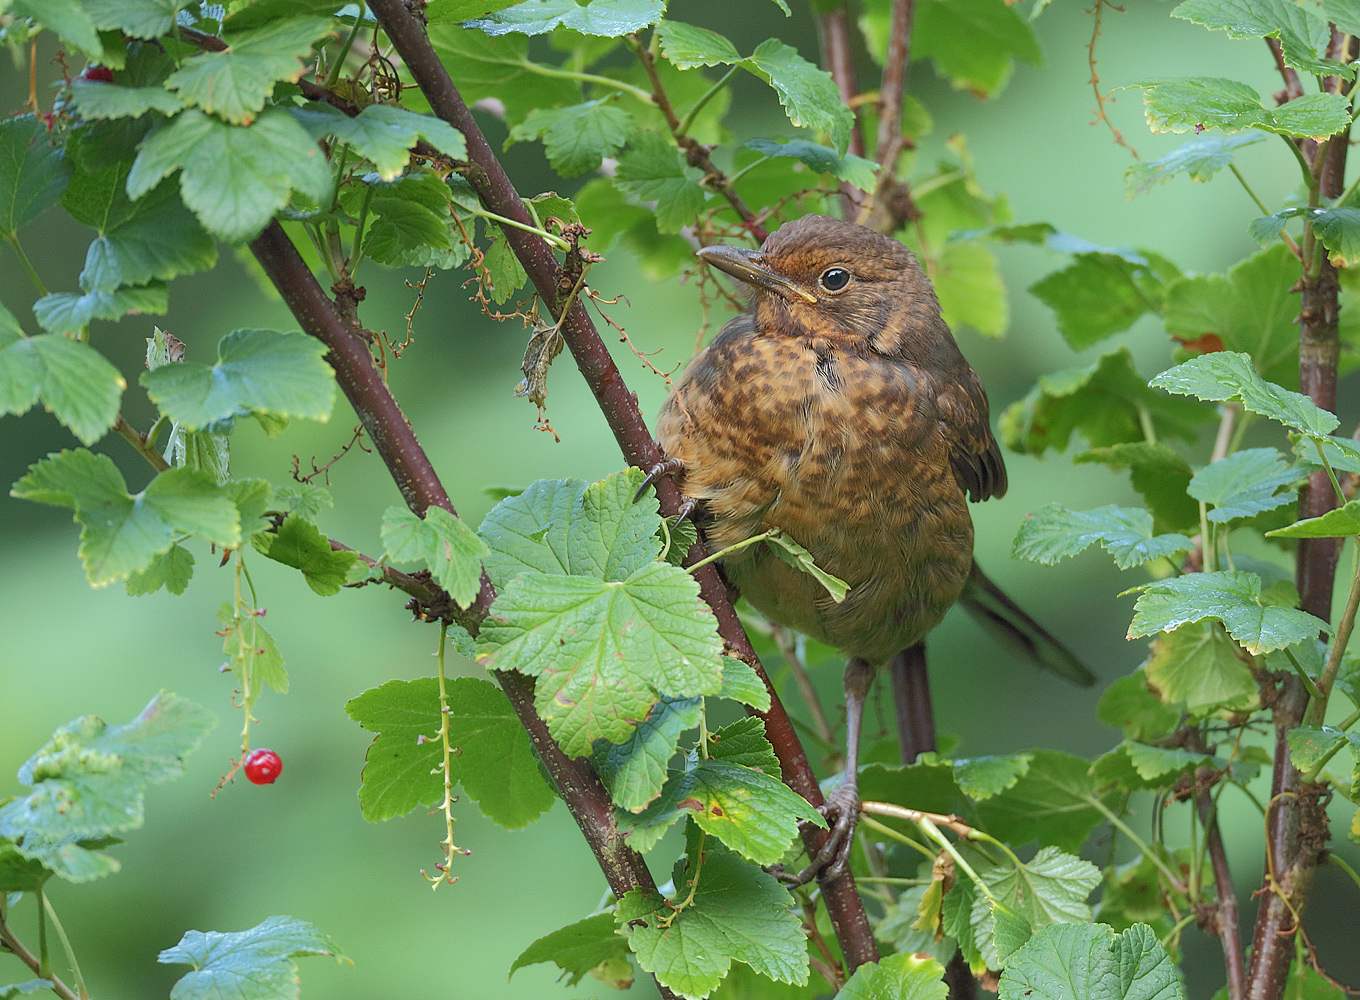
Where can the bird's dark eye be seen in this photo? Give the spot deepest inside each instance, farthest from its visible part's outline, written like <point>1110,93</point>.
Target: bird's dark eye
<point>834,279</point>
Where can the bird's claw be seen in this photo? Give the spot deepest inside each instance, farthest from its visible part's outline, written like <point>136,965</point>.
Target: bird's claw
<point>666,467</point>
<point>841,811</point>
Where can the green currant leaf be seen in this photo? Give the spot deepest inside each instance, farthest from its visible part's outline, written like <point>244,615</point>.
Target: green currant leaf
<point>499,67</point>
<point>237,82</point>
<point>688,47</point>
<point>1339,523</point>
<point>1136,767</point>
<point>900,976</point>
<point>138,18</point>
<point>528,531</point>
<point>967,278</point>
<point>741,683</point>
<point>122,533</point>
<point>504,271</point>
<point>1301,33</point>
<point>299,544</point>
<point>738,913</point>
<point>152,239</point>
<point>383,134</point>
<point>252,654</point>
<point>1052,803</point>
<point>100,101</point>
<point>806,91</point>
<point>576,138</point>
<point>1227,375</point>
<point>1197,666</point>
<point>1101,293</point>
<point>1200,158</point>
<point>1054,532</point>
<point>577,948</point>
<point>458,11</point>
<point>1246,483</point>
<point>257,371</point>
<point>254,964</point>
<point>411,221</point>
<point>1309,745</point>
<point>1253,309</point>
<point>69,20</point>
<point>33,171</point>
<point>1196,103</point>
<point>603,651</point>
<point>90,780</point>
<point>973,43</point>
<point>982,777</point>
<point>1106,402</point>
<point>447,546</point>
<point>610,18</point>
<point>853,169</point>
<point>229,174</point>
<point>68,314</point>
<point>73,380</point>
<point>635,770</point>
<point>747,808</point>
<point>1089,960</point>
<point>172,569</point>
<point>654,170</point>
<point>1233,598</point>
<point>1159,473</point>
<point>1338,229</point>
<point>1132,705</point>
<point>402,765</point>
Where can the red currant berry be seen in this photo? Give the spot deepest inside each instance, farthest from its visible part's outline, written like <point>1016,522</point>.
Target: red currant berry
<point>263,766</point>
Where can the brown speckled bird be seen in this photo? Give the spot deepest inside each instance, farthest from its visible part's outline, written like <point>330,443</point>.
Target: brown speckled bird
<point>840,410</point>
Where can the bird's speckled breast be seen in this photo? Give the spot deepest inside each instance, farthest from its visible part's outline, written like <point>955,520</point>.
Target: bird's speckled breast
<point>845,452</point>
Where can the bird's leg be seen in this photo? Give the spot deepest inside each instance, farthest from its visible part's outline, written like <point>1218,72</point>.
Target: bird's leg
<point>841,808</point>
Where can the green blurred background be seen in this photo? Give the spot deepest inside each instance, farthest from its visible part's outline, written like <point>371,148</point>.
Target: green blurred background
<point>300,847</point>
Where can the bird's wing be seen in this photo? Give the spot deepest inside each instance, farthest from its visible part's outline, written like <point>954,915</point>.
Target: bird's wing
<point>975,455</point>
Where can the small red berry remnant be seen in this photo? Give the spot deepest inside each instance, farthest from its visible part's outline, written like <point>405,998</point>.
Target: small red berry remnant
<point>97,74</point>
<point>263,767</point>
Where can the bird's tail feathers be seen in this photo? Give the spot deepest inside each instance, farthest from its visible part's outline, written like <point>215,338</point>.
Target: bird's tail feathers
<point>1017,631</point>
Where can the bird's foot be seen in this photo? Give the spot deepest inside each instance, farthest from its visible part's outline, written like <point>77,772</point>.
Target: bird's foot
<point>841,811</point>
<point>666,467</point>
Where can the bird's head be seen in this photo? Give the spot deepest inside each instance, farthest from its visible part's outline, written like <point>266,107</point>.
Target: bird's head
<point>823,276</point>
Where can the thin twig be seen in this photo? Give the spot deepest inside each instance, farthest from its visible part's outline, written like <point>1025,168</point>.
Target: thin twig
<point>130,434</point>
<point>788,645</point>
<point>695,152</point>
<point>14,945</point>
<point>1102,99</point>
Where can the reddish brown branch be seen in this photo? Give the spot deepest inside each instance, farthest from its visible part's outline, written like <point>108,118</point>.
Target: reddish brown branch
<point>838,59</point>
<point>894,84</point>
<point>1292,87</point>
<point>1226,919</point>
<point>620,410</point>
<point>1296,825</point>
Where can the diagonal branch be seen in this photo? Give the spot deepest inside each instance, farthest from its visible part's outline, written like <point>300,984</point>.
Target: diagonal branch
<point>395,440</point>
<point>620,410</point>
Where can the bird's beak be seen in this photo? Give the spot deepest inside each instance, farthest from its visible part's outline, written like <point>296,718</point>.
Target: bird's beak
<point>748,266</point>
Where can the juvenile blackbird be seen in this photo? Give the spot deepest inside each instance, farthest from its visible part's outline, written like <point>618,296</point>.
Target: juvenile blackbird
<point>840,410</point>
